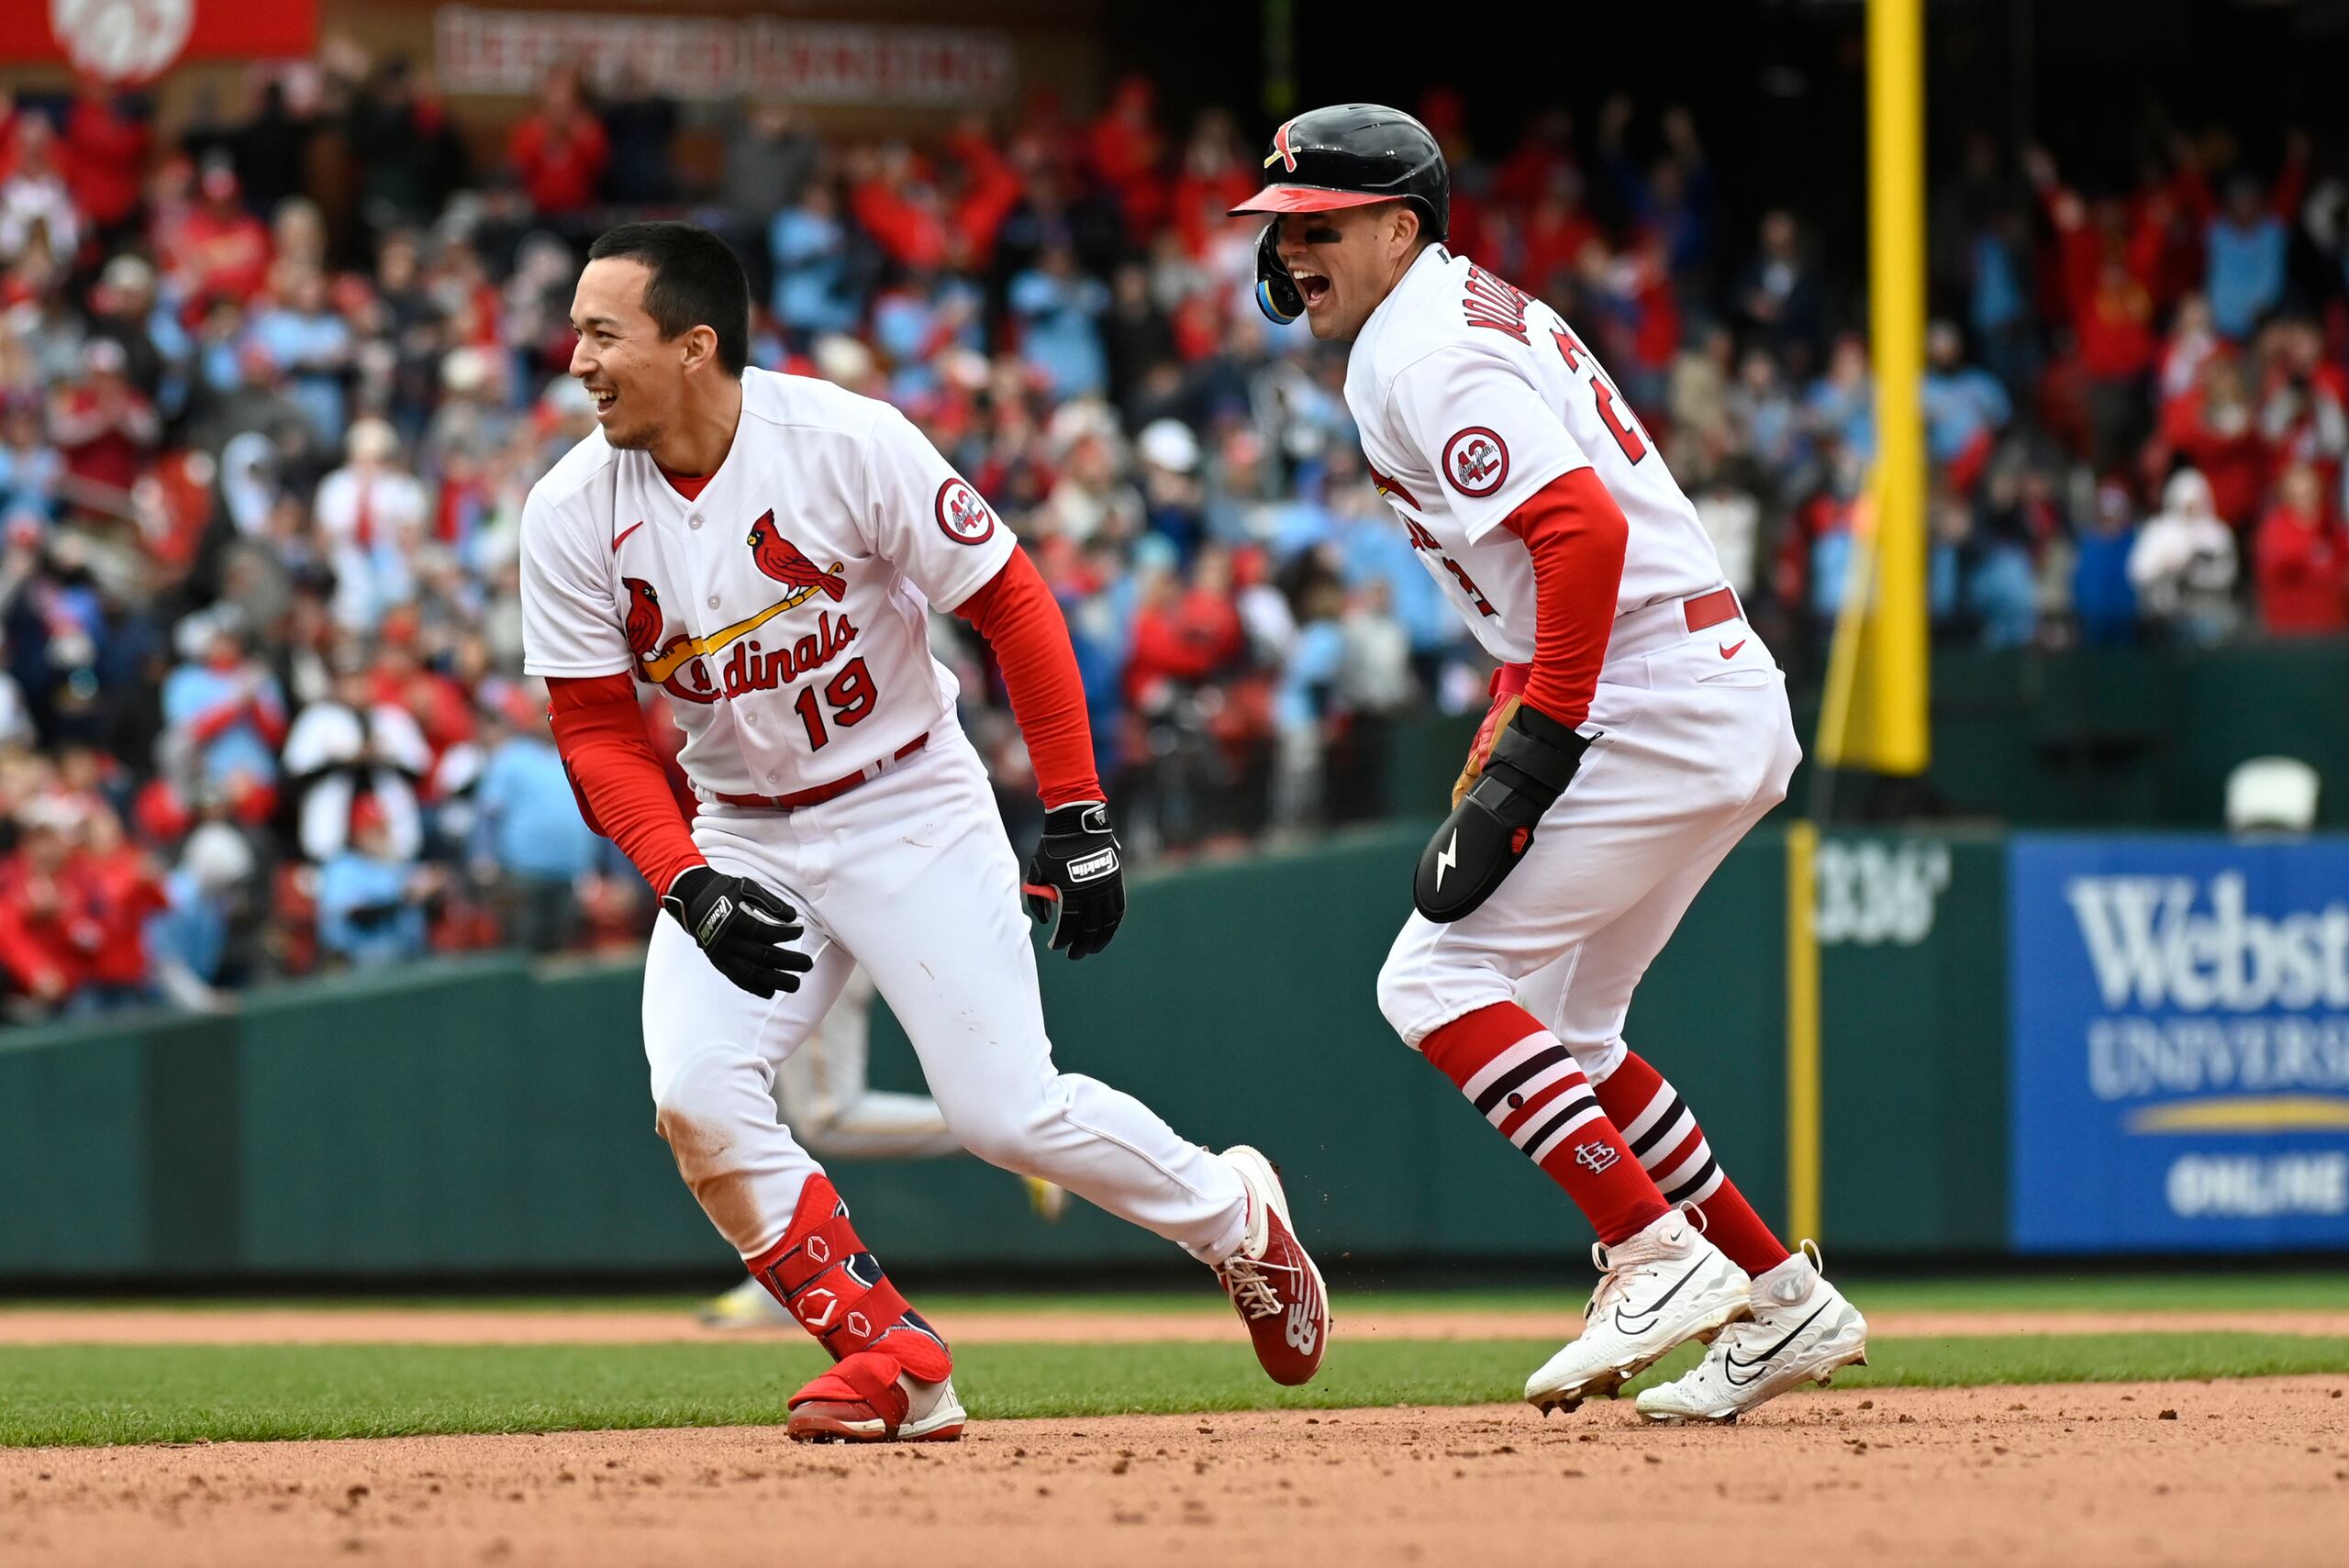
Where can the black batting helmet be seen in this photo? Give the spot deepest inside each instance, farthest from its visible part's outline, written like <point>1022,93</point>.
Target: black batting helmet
<point>1351,155</point>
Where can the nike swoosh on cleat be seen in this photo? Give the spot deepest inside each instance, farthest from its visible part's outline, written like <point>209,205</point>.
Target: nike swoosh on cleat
<point>621,538</point>
<point>1763,1360</point>
<point>1657,1307</point>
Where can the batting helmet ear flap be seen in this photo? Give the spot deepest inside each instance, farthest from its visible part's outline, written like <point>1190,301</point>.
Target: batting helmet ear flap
<point>1277,295</point>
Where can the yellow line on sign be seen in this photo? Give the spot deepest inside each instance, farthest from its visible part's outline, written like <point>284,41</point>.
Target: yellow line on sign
<point>1802,1033</point>
<point>2268,1113</point>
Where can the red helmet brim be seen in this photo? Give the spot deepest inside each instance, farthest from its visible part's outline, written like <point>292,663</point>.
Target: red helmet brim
<point>1305,198</point>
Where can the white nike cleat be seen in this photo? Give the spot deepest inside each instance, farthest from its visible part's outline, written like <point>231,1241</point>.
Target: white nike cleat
<point>1802,1330</point>
<point>1665,1286</point>
<point>747,1306</point>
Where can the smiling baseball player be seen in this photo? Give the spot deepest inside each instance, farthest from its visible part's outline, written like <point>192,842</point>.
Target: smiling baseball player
<point>1639,729</point>
<point>763,548</point>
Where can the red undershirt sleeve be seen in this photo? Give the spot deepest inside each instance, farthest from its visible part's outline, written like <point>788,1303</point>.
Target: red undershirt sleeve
<point>622,788</point>
<point>1021,621</point>
<point>1576,535</point>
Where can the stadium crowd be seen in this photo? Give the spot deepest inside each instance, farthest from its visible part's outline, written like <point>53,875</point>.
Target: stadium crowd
<point>272,390</point>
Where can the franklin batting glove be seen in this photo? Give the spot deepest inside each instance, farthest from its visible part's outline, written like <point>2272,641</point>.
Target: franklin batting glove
<point>1489,832</point>
<point>1075,881</point>
<point>745,929</point>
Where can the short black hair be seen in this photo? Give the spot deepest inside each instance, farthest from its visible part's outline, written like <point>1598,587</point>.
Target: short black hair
<point>696,282</point>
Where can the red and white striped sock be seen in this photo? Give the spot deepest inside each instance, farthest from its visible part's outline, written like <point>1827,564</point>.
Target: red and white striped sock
<point>1662,1132</point>
<point>1522,1081</point>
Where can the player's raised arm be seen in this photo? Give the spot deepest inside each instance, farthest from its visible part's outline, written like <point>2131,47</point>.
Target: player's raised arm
<point>1509,463</point>
<point>929,519</point>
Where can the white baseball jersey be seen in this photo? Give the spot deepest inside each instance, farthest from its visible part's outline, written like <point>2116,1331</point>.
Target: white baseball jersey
<point>782,609</point>
<point>1471,395</point>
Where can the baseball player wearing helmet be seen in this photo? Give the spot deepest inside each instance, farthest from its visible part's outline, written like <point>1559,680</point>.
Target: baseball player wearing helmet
<point>1639,727</point>
<point>766,549</point>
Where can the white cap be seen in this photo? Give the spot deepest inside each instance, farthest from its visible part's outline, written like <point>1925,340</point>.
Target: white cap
<point>1169,443</point>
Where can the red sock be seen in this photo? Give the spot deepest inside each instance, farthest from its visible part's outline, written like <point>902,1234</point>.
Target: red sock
<point>1664,1135</point>
<point>1522,1081</point>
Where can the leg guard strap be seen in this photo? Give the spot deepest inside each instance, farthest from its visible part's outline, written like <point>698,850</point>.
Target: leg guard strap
<point>824,1279</point>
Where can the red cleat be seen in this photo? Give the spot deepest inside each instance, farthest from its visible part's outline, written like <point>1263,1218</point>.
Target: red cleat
<point>865,1399</point>
<point>1272,1282</point>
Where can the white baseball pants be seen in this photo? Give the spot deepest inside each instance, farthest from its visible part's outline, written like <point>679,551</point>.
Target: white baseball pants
<point>825,1094</point>
<point>910,875</point>
<point>1696,745</point>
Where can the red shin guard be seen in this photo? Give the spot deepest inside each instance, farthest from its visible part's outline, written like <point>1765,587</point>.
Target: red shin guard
<point>824,1279</point>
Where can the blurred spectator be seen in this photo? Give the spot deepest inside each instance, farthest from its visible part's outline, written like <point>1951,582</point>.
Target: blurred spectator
<point>371,897</point>
<point>2246,243</point>
<point>352,747</point>
<point>50,926</point>
<point>2302,561</point>
<point>1059,310</point>
<point>1964,409</point>
<point>305,338</point>
<point>1782,300</point>
<point>371,515</point>
<point>559,151</point>
<point>224,712</point>
<point>107,143</point>
<point>219,251</point>
<point>37,210</point>
<point>2183,564</point>
<point>770,158</point>
<point>190,938</point>
<point>640,128</point>
<point>2103,598</point>
<point>103,427</point>
<point>530,842</point>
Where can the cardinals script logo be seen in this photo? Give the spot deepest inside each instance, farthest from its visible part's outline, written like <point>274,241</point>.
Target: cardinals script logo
<point>1475,461</point>
<point>679,665</point>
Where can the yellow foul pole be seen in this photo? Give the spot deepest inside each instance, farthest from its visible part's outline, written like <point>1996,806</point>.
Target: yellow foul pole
<point>1892,673</point>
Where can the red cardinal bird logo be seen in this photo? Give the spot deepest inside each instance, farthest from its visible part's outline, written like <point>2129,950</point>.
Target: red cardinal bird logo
<point>644,618</point>
<point>782,561</point>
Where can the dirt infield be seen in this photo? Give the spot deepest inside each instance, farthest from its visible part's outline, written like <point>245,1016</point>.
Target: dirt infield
<point>2117,1474</point>
<point>457,1325</point>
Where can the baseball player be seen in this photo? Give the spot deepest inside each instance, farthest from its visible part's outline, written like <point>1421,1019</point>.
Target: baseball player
<point>825,1095</point>
<point>763,548</point>
<point>1639,727</point>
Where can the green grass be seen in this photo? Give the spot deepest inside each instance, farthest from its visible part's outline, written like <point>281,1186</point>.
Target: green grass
<point>2277,1290</point>
<point>117,1393</point>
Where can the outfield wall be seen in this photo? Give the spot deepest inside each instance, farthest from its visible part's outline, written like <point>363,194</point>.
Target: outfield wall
<point>487,1118</point>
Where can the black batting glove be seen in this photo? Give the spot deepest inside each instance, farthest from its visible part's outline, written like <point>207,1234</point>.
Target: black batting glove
<point>745,929</point>
<point>1532,760</point>
<point>1277,295</point>
<point>1075,881</point>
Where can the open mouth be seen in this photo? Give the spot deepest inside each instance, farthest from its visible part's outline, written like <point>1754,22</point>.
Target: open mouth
<point>1313,286</point>
<point>603,401</point>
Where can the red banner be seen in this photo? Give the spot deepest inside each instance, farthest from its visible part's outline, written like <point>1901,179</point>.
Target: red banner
<point>137,41</point>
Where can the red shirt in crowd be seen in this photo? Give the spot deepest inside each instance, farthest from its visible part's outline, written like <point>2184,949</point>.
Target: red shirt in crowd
<point>2236,462</point>
<point>104,432</point>
<point>560,163</point>
<point>223,250</point>
<point>123,891</point>
<point>1187,636</point>
<point>49,928</point>
<point>2302,566</point>
<point>105,159</point>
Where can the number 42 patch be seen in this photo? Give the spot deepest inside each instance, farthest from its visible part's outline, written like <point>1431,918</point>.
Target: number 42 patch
<point>1475,461</point>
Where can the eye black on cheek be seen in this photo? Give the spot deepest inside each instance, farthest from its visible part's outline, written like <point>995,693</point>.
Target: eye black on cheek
<point>1322,237</point>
